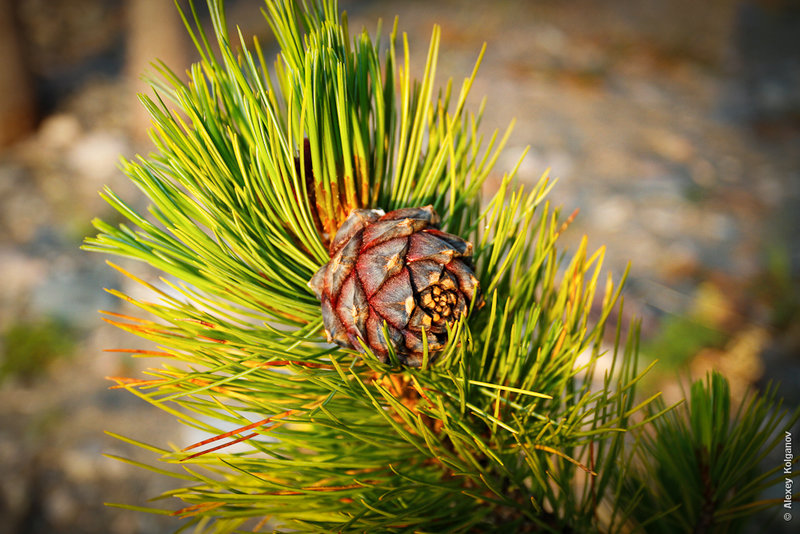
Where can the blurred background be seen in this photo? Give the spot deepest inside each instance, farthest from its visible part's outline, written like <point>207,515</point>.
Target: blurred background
<point>673,126</point>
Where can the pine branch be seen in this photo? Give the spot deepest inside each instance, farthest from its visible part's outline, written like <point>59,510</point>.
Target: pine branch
<point>698,469</point>
<point>512,425</point>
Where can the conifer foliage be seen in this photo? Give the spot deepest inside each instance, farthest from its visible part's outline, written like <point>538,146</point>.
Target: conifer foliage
<point>517,420</point>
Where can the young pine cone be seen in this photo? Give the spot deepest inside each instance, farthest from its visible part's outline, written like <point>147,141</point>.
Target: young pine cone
<point>400,268</point>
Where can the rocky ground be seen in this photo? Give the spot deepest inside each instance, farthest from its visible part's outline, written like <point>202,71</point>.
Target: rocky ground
<point>675,130</point>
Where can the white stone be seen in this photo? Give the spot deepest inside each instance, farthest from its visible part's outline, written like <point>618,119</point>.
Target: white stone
<point>59,131</point>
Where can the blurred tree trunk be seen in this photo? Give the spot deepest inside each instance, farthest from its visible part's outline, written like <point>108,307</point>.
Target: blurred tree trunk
<point>155,32</point>
<point>17,99</point>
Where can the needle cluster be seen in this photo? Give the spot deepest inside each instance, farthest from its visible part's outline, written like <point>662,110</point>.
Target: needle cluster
<point>518,425</point>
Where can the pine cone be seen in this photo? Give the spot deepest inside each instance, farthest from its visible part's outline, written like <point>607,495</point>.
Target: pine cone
<point>400,268</point>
